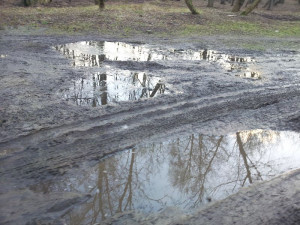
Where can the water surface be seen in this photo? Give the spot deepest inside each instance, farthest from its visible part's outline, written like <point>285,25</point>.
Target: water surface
<point>113,84</point>
<point>94,54</point>
<point>186,172</point>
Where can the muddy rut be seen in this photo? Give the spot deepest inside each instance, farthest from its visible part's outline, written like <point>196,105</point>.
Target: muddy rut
<point>45,137</point>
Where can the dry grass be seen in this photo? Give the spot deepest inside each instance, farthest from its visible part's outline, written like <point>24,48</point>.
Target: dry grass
<point>158,18</point>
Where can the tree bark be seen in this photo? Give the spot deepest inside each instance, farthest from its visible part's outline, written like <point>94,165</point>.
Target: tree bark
<point>237,5</point>
<point>250,8</point>
<point>189,4</point>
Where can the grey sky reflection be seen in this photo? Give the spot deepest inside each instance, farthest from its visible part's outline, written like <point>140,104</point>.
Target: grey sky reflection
<point>183,172</point>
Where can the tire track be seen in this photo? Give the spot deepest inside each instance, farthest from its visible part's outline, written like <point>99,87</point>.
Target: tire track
<point>53,151</point>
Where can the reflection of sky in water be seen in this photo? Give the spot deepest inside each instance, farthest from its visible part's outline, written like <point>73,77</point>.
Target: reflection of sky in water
<point>113,86</point>
<point>91,53</point>
<point>183,172</point>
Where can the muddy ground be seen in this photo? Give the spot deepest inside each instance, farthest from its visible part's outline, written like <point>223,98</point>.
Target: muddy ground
<point>43,137</point>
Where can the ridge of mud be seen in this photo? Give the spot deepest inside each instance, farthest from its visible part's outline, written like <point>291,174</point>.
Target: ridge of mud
<point>279,92</point>
<point>86,140</point>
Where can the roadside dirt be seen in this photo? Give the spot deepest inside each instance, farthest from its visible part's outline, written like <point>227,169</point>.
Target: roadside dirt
<point>43,136</point>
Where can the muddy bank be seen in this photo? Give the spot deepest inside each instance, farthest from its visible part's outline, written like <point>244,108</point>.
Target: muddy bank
<point>44,137</point>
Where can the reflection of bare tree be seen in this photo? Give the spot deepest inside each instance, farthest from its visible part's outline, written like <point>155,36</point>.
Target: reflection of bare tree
<point>118,51</point>
<point>104,87</point>
<point>159,86</point>
<point>128,187</point>
<point>249,144</point>
<point>119,184</point>
<point>196,161</point>
<point>190,165</point>
<point>199,168</point>
<point>244,155</point>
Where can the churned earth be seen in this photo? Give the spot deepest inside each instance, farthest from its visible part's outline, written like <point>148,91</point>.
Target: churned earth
<point>46,137</point>
<point>77,109</point>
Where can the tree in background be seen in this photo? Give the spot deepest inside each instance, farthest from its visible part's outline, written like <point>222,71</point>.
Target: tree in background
<point>237,5</point>
<point>189,4</point>
<point>33,2</point>
<point>250,7</point>
<point>100,3</point>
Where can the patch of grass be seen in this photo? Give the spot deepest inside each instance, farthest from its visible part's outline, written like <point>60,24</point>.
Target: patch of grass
<point>242,28</point>
<point>188,29</point>
<point>291,29</point>
<point>161,18</point>
<point>239,27</point>
<point>236,27</point>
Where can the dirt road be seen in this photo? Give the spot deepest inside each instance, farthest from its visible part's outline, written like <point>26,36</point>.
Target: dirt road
<point>43,136</point>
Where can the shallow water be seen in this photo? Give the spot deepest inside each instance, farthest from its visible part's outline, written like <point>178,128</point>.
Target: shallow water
<point>112,84</point>
<point>185,172</point>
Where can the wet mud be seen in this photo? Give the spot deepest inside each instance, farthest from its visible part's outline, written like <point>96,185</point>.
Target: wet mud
<point>67,110</point>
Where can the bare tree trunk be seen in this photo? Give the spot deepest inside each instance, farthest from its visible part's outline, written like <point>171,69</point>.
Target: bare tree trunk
<point>270,4</point>
<point>210,3</point>
<point>189,4</point>
<point>270,7</point>
<point>250,8</point>
<point>101,4</point>
<point>237,5</point>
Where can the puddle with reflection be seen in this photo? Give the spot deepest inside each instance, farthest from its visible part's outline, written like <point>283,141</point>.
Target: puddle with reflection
<point>113,86</point>
<point>93,53</point>
<point>251,75</point>
<point>185,172</point>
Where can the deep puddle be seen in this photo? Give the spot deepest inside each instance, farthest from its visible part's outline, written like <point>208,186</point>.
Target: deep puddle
<point>185,172</point>
<point>113,84</point>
